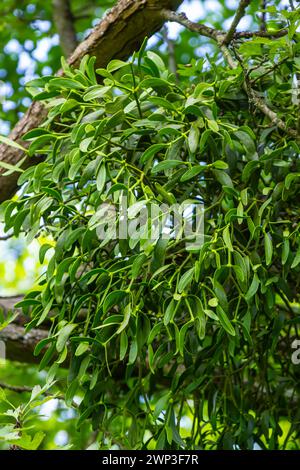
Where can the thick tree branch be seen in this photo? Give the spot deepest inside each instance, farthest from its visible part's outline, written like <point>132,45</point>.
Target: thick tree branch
<point>64,23</point>
<point>8,303</point>
<point>20,345</point>
<point>118,35</point>
<point>237,18</point>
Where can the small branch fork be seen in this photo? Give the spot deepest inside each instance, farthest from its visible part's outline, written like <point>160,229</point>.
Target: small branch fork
<point>223,40</point>
<point>237,18</point>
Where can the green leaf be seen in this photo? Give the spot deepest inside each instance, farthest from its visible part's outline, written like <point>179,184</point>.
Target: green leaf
<point>285,250</point>
<point>26,442</point>
<point>192,172</point>
<point>101,178</point>
<point>223,178</point>
<point>125,321</point>
<point>63,336</point>
<point>249,170</point>
<point>116,64</point>
<point>253,288</point>
<point>225,322</point>
<point>193,138</point>
<point>220,165</point>
<point>166,165</point>
<point>186,279</point>
<point>137,265</point>
<point>113,298</point>
<point>96,92</point>
<point>123,345</point>
<point>227,238</point>
<point>268,248</point>
<point>67,83</point>
<point>154,83</point>
<point>170,312</point>
<point>151,151</point>
<point>296,259</point>
<point>289,179</point>
<point>11,143</point>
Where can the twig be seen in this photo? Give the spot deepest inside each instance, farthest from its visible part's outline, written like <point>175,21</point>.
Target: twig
<point>237,18</point>
<point>263,34</point>
<point>221,39</point>
<point>25,389</point>
<point>258,101</point>
<point>5,237</point>
<point>181,18</point>
<point>271,69</point>
<point>15,388</point>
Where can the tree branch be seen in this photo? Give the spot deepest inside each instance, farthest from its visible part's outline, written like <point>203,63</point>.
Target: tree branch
<point>118,35</point>
<point>15,388</point>
<point>64,23</point>
<point>182,19</point>
<point>262,34</point>
<point>256,100</point>
<point>221,39</point>
<point>8,303</point>
<point>237,18</point>
<point>19,346</point>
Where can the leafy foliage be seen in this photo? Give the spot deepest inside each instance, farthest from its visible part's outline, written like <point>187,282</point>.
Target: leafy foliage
<point>168,347</point>
<point>155,333</point>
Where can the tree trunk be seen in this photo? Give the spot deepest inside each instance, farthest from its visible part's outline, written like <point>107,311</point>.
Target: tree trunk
<point>64,23</point>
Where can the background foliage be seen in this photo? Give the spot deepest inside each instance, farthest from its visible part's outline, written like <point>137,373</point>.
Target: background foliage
<point>166,348</point>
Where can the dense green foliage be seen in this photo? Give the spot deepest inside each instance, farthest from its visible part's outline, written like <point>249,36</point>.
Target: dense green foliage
<point>166,346</point>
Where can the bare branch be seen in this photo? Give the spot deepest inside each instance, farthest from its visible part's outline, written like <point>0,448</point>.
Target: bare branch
<point>262,34</point>
<point>182,19</point>
<point>237,18</point>
<point>5,238</point>
<point>16,388</point>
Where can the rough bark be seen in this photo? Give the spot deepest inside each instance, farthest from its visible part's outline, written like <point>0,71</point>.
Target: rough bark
<point>19,346</point>
<point>118,35</point>
<point>64,23</point>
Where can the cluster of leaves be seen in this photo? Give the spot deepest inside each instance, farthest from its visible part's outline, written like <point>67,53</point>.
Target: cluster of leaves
<point>157,336</point>
<point>34,415</point>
